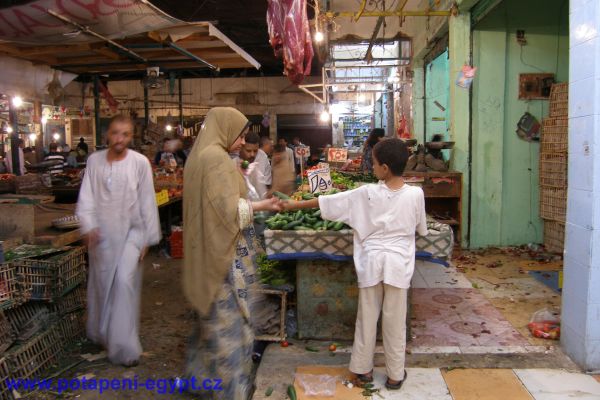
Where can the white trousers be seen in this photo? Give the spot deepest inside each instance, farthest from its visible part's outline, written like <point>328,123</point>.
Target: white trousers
<point>371,302</point>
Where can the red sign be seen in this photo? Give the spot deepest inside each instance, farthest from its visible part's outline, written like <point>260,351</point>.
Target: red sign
<point>337,155</point>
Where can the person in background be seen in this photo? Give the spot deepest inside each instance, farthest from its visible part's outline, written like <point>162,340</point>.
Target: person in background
<point>313,160</point>
<point>252,172</point>
<point>170,150</point>
<point>218,266</point>
<point>366,166</point>
<point>297,143</point>
<point>262,159</point>
<point>30,156</point>
<point>8,161</point>
<point>384,217</point>
<point>54,155</point>
<point>82,145</point>
<point>66,148</point>
<point>188,142</point>
<point>119,219</point>
<point>72,159</point>
<point>283,173</point>
<point>289,153</point>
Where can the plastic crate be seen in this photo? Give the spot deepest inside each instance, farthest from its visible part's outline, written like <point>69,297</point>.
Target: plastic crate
<point>553,203</point>
<point>553,170</point>
<point>7,337</point>
<point>48,279</point>
<point>554,236</point>
<point>10,296</point>
<point>31,359</point>
<point>176,244</point>
<point>162,197</point>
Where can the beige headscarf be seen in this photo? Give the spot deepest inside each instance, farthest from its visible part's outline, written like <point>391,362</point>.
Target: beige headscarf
<point>212,189</point>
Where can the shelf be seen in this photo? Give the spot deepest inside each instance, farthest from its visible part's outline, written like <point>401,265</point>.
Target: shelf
<point>447,221</point>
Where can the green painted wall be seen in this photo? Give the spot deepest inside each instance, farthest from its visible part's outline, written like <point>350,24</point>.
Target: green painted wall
<point>437,89</point>
<point>505,199</point>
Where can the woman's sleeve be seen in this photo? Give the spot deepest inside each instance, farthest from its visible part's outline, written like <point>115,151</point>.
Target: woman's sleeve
<point>245,213</point>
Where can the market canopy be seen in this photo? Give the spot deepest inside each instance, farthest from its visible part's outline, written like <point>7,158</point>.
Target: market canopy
<point>107,36</point>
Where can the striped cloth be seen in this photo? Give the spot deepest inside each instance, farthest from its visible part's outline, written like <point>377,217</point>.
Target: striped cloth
<point>58,168</point>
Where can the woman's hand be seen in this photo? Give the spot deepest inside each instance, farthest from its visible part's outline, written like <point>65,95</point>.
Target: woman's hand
<point>272,204</point>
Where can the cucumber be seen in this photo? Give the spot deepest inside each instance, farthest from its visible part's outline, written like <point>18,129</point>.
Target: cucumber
<point>298,215</point>
<point>317,213</point>
<point>318,224</point>
<point>330,224</point>
<point>307,196</point>
<point>310,220</point>
<point>311,349</point>
<point>303,228</point>
<point>281,196</point>
<point>279,225</point>
<point>269,391</point>
<point>337,226</point>
<point>291,225</point>
<point>291,392</point>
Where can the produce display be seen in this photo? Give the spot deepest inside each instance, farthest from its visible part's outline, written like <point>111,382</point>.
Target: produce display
<point>170,181</point>
<point>308,219</point>
<point>273,273</point>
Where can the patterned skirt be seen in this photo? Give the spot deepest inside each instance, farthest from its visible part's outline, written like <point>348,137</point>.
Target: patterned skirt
<point>221,345</point>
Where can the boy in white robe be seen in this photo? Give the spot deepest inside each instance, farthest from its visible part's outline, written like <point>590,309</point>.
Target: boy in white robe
<point>385,217</point>
<point>119,218</point>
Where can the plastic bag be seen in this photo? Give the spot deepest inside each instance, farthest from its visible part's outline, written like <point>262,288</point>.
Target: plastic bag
<point>317,385</point>
<point>545,324</point>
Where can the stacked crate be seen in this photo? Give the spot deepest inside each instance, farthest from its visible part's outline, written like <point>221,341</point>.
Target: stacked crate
<point>553,168</point>
<point>42,305</point>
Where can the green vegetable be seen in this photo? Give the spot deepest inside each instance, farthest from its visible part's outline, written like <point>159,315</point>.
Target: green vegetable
<point>337,226</point>
<point>330,224</point>
<point>309,219</point>
<point>269,391</point>
<point>303,228</point>
<point>298,215</point>
<point>318,224</point>
<point>307,196</point>
<point>291,225</point>
<point>317,214</point>
<point>313,349</point>
<point>245,164</point>
<point>291,392</point>
<point>281,195</point>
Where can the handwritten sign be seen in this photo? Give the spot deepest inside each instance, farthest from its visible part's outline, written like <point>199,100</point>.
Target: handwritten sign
<point>302,151</point>
<point>319,180</point>
<point>337,155</point>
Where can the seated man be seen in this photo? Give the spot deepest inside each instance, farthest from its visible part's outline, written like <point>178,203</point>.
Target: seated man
<point>54,155</point>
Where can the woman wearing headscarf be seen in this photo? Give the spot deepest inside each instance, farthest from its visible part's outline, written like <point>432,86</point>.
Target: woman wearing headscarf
<point>218,262</point>
<point>366,166</point>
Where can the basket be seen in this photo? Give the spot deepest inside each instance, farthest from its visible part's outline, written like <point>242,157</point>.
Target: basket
<point>31,359</point>
<point>7,337</point>
<point>439,241</point>
<point>4,376</point>
<point>72,301</point>
<point>554,236</point>
<point>47,279</point>
<point>72,327</point>
<point>309,243</point>
<point>555,135</point>
<point>553,170</point>
<point>553,203</point>
<point>559,88</point>
<point>559,108</point>
<point>31,184</point>
<point>9,291</point>
<point>29,319</point>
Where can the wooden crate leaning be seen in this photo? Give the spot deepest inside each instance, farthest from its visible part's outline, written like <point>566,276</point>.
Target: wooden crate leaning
<point>281,333</point>
<point>30,319</point>
<point>10,296</point>
<point>31,359</point>
<point>554,236</point>
<point>7,336</point>
<point>553,170</point>
<point>72,327</point>
<point>555,135</point>
<point>75,300</point>
<point>48,279</point>
<point>5,393</point>
<point>31,184</point>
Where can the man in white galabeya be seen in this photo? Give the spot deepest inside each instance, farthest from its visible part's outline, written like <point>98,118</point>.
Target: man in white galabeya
<point>119,220</point>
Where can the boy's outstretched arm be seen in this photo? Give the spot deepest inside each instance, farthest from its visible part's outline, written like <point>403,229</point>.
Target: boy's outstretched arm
<point>296,205</point>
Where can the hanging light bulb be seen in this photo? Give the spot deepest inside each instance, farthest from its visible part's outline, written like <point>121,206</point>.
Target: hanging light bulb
<point>56,136</point>
<point>44,120</point>
<point>361,97</point>
<point>319,37</point>
<point>324,116</point>
<point>9,129</point>
<point>32,137</point>
<point>169,127</point>
<point>17,101</point>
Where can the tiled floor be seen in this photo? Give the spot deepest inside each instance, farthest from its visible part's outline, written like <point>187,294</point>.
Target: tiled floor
<point>459,317</point>
<point>432,275</point>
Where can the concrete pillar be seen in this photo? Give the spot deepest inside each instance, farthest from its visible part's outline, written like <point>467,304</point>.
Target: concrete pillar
<point>581,289</point>
<point>460,54</point>
<point>418,101</point>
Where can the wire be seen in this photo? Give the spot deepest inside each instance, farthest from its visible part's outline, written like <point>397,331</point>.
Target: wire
<point>528,65</point>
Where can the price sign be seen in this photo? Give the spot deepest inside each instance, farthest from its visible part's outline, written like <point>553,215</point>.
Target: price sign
<point>302,151</point>
<point>337,155</point>
<point>319,180</point>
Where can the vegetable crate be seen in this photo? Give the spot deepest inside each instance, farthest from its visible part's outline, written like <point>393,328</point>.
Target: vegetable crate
<point>439,241</point>
<point>4,375</point>
<point>72,327</point>
<point>47,279</point>
<point>31,359</point>
<point>555,135</point>
<point>6,333</point>
<point>281,334</point>
<point>337,243</point>
<point>553,203</point>
<point>9,291</point>
<point>554,236</point>
<point>176,244</point>
<point>553,170</point>
<point>72,301</point>
<point>29,319</point>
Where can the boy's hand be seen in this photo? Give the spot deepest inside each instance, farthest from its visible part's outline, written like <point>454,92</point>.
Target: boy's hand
<point>290,205</point>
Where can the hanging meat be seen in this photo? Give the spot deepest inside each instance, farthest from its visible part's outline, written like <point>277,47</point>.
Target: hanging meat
<point>289,35</point>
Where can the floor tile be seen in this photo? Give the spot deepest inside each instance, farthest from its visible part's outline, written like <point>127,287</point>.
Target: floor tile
<point>547,384</point>
<point>485,384</point>
<point>421,383</point>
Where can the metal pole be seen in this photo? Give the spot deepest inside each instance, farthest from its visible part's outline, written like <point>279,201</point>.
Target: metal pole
<point>97,110</point>
<point>146,113</point>
<point>14,139</point>
<point>180,104</point>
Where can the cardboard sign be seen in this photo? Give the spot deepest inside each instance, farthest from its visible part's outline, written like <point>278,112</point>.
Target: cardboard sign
<point>319,180</point>
<point>302,151</point>
<point>337,155</point>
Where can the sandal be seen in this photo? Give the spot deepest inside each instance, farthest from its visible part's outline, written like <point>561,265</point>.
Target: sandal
<point>395,386</point>
<point>365,378</point>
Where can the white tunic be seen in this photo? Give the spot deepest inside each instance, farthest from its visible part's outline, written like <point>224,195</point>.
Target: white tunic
<point>384,223</point>
<point>264,167</point>
<point>117,199</point>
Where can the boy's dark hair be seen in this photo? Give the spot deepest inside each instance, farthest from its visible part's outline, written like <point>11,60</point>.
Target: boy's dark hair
<point>252,138</point>
<point>393,153</point>
<point>53,147</point>
<point>279,148</point>
<point>374,136</point>
<point>264,140</point>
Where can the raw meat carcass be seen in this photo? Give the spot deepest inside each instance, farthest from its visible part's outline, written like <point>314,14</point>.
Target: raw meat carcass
<point>275,18</point>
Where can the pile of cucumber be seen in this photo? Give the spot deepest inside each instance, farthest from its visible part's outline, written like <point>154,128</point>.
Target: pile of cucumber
<point>301,220</point>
